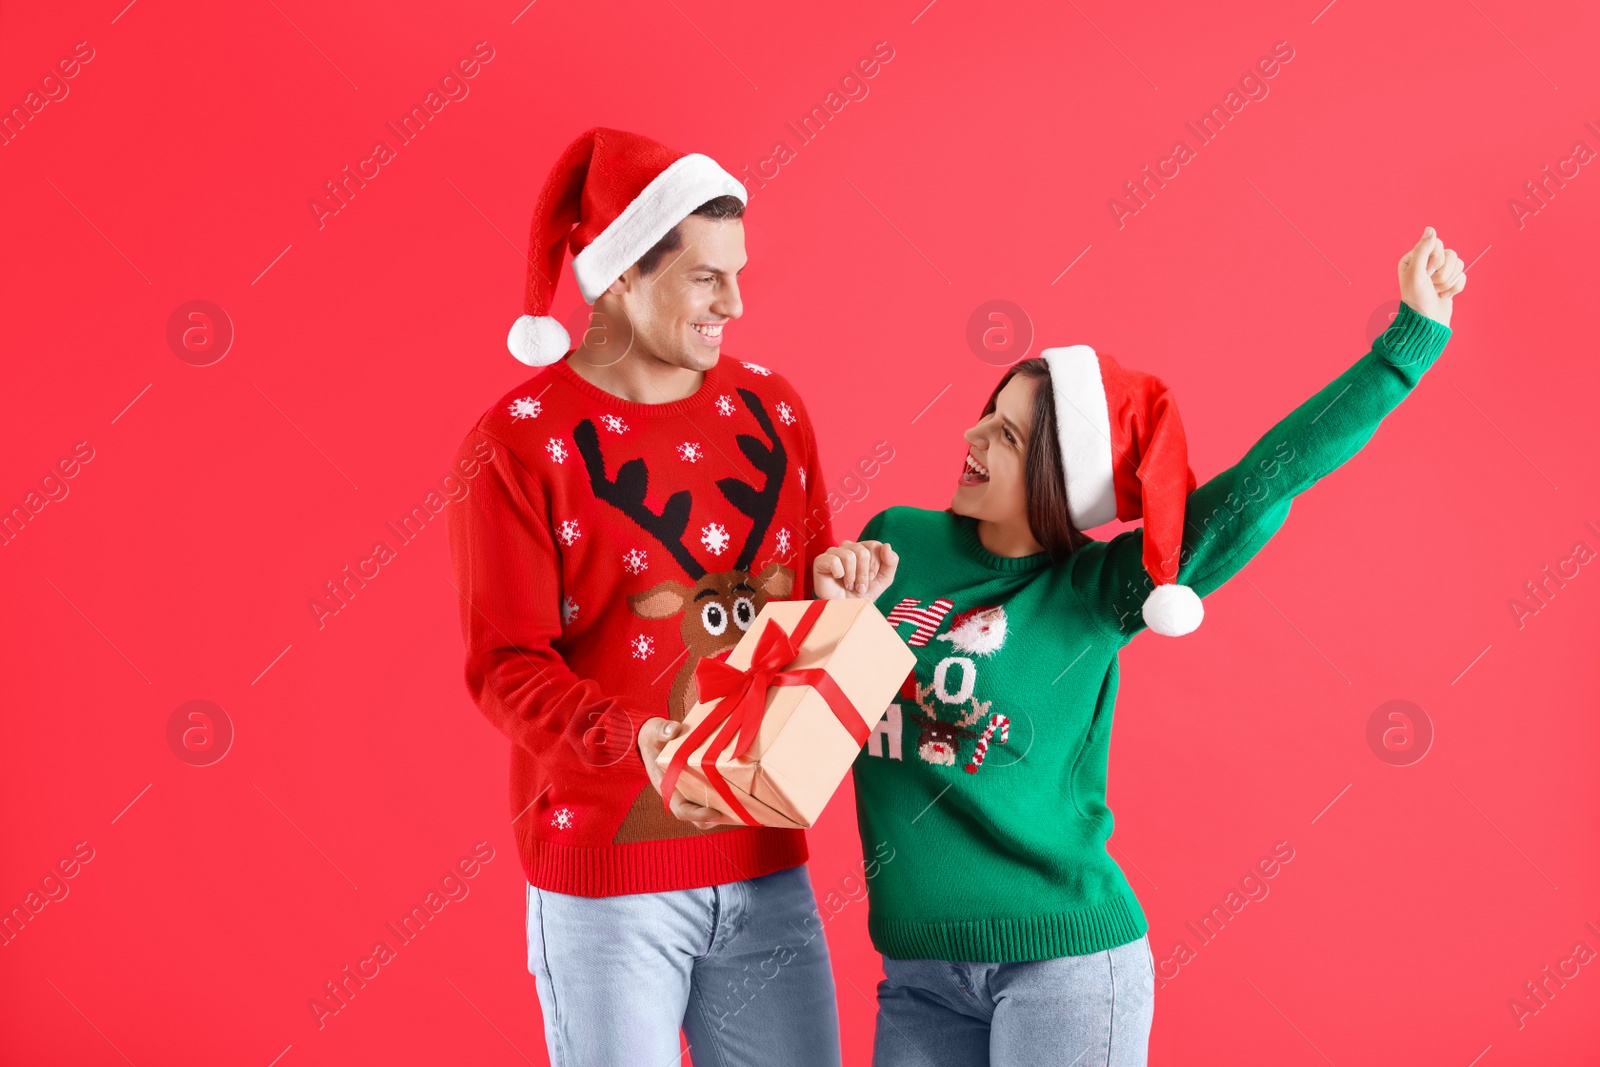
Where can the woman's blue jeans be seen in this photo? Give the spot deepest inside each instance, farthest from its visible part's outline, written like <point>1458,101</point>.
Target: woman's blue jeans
<point>1092,1010</point>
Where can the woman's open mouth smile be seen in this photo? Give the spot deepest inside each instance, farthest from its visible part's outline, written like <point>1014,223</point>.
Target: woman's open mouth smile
<point>973,472</point>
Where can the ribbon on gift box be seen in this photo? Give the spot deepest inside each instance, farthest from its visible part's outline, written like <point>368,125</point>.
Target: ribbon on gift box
<point>741,697</point>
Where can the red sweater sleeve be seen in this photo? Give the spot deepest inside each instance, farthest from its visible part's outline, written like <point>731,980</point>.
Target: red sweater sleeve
<point>507,573</point>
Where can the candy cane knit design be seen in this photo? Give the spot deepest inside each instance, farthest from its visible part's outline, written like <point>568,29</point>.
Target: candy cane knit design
<point>999,722</point>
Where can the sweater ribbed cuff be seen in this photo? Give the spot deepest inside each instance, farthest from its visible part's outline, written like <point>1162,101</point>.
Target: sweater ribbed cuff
<point>1412,341</point>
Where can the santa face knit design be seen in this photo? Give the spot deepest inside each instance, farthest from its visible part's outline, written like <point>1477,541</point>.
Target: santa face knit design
<point>607,548</point>
<point>987,777</point>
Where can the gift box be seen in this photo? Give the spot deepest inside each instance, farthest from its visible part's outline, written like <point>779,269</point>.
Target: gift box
<point>780,721</point>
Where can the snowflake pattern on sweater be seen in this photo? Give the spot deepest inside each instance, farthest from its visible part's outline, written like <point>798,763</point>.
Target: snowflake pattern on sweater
<point>715,537</point>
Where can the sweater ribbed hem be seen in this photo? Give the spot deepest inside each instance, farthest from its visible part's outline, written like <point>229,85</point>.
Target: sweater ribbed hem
<point>661,866</point>
<point>1037,937</point>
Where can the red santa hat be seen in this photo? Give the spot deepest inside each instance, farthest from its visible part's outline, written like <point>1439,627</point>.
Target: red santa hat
<point>1125,456</point>
<point>961,618</point>
<point>611,196</point>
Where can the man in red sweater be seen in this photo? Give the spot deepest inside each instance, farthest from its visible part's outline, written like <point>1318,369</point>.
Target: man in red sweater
<point>644,500</point>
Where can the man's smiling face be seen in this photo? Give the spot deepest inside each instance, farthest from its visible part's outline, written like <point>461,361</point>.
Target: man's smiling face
<point>679,311</point>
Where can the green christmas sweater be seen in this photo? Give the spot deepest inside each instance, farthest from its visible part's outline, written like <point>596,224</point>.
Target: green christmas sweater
<point>982,792</point>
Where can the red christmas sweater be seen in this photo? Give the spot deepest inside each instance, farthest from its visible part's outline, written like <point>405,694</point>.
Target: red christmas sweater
<point>604,550</point>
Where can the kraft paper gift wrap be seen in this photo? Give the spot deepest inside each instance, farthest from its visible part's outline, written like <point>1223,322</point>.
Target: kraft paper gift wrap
<point>796,743</point>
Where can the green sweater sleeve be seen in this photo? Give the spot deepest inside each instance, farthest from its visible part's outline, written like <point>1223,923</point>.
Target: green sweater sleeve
<point>1228,519</point>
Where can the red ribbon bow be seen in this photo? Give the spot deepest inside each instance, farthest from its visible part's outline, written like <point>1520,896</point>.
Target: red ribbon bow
<point>741,697</point>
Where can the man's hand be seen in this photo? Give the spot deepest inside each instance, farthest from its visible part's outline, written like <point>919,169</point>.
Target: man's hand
<point>1430,276</point>
<point>653,737</point>
<point>854,570</point>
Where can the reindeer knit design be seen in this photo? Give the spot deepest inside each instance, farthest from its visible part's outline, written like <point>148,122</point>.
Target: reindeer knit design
<point>1008,861</point>
<point>588,500</point>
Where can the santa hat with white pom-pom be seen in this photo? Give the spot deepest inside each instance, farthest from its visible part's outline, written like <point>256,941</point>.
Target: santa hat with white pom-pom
<point>610,198</point>
<point>1125,456</point>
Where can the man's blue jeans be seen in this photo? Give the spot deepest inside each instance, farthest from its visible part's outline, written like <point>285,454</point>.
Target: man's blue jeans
<point>742,968</point>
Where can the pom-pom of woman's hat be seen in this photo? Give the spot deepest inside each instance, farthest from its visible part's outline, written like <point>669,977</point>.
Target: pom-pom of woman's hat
<point>1173,610</point>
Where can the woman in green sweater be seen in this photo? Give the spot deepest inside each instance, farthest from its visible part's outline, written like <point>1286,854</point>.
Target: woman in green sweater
<point>1008,934</point>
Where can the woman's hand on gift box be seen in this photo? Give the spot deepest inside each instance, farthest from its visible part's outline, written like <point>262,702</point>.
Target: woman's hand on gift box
<point>653,737</point>
<point>854,570</point>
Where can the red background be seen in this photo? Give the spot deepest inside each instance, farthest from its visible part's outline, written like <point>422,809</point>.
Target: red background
<point>979,167</point>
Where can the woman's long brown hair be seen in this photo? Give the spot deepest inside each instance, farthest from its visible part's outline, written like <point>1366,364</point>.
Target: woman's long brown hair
<point>1044,479</point>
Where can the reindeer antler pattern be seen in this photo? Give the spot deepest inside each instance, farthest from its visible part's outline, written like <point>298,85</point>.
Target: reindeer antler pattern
<point>626,493</point>
<point>758,504</point>
<point>980,708</point>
